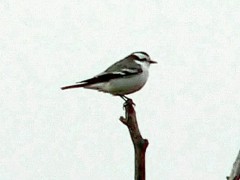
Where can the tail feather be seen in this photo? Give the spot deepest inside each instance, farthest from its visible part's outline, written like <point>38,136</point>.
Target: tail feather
<point>73,86</point>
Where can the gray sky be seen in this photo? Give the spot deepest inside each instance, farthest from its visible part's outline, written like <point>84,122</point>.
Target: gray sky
<point>189,110</point>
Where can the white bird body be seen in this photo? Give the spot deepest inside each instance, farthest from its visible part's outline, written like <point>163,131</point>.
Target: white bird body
<point>124,77</point>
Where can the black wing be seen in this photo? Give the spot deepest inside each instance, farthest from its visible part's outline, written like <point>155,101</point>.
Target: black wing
<point>107,76</point>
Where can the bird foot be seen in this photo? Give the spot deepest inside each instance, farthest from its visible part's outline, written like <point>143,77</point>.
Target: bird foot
<point>128,101</point>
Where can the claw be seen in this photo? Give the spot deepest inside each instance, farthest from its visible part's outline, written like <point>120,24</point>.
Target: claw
<point>127,102</point>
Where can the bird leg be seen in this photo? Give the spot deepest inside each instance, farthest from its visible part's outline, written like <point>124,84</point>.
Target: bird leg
<point>127,101</point>
<point>125,98</point>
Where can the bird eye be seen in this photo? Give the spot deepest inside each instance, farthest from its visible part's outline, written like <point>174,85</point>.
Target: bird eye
<point>143,59</point>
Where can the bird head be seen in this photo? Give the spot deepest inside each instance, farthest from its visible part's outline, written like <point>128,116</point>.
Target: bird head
<point>142,58</point>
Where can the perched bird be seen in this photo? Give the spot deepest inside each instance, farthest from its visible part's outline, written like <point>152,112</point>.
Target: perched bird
<point>123,77</point>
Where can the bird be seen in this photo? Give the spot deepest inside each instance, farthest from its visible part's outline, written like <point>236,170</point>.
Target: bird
<point>122,78</point>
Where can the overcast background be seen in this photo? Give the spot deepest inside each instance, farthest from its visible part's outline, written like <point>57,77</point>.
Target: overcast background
<point>189,110</point>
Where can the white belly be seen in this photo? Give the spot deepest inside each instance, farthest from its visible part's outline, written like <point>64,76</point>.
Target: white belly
<point>129,85</point>
<point>122,86</point>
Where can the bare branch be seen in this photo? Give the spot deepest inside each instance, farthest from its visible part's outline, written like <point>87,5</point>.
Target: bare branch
<point>140,144</point>
<point>235,174</point>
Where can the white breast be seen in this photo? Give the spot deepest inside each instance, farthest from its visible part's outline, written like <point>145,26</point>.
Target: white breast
<point>122,86</point>
<point>128,85</point>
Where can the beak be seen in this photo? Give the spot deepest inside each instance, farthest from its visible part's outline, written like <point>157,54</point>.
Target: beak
<point>153,62</point>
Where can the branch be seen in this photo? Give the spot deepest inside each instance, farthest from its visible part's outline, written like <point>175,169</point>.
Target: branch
<point>235,174</point>
<point>140,144</point>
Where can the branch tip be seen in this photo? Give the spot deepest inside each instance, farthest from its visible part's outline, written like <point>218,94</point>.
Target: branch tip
<point>128,103</point>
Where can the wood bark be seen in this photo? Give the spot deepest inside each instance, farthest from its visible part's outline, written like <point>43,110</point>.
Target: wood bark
<point>235,174</point>
<point>140,144</point>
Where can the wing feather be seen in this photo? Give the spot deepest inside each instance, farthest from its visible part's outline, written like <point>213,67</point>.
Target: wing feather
<point>107,76</point>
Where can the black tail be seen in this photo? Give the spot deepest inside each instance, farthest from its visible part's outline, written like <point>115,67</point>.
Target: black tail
<point>73,86</point>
